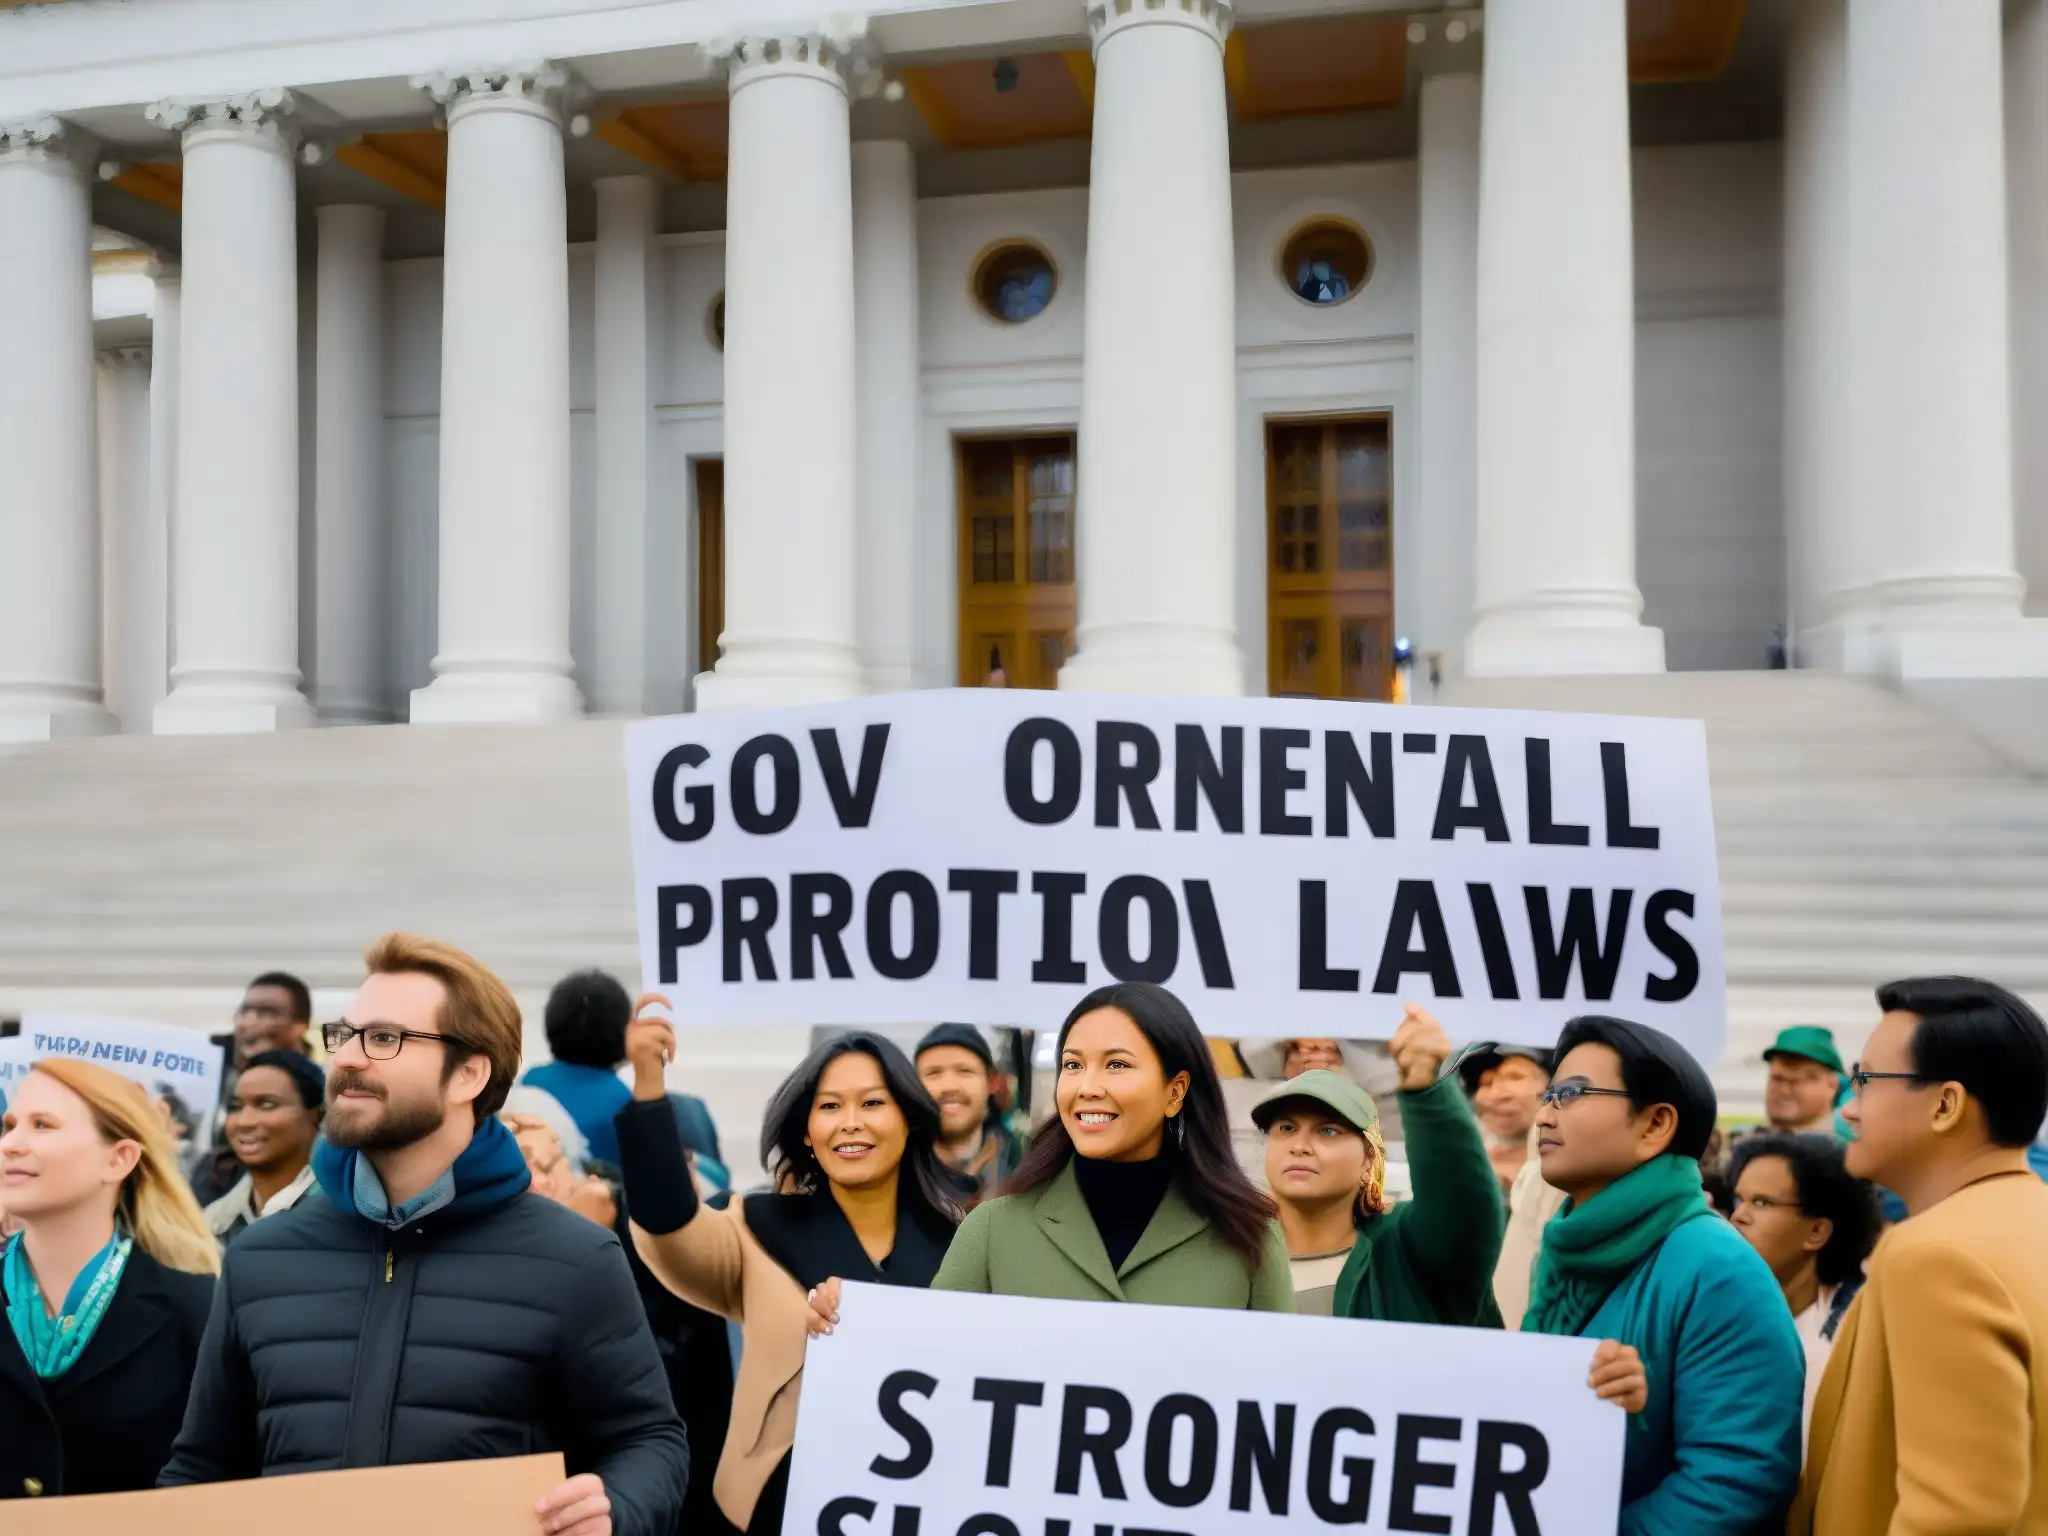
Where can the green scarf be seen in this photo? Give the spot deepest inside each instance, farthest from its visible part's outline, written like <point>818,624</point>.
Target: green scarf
<point>1590,1249</point>
<point>53,1344</point>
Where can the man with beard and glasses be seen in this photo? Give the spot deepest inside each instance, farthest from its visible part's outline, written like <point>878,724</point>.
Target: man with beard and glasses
<point>958,1070</point>
<point>430,1309</point>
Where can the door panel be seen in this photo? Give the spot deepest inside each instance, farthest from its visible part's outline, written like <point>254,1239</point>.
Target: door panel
<point>1329,558</point>
<point>710,560</point>
<point>1016,559</point>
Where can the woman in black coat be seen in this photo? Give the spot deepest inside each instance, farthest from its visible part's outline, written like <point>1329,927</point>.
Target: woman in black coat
<point>109,1229</point>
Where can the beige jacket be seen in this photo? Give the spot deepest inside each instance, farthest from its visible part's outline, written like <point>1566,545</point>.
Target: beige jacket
<point>1531,1203</point>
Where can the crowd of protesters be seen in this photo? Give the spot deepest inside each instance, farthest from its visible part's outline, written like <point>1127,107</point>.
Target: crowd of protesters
<point>391,1245</point>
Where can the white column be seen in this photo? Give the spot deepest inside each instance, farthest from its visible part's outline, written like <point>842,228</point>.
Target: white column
<point>504,561</point>
<point>1556,460</point>
<point>350,610</point>
<point>1158,442</point>
<point>1932,591</point>
<point>165,315</point>
<point>2026,148</point>
<point>885,306</point>
<point>789,412</point>
<point>132,544</point>
<point>49,518</point>
<point>236,554</point>
<point>1446,368</point>
<point>628,302</point>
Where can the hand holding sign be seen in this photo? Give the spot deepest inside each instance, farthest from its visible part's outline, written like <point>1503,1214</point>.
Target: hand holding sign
<point>650,1047</point>
<point>824,1300</point>
<point>1419,1048</point>
<point>1618,1376</point>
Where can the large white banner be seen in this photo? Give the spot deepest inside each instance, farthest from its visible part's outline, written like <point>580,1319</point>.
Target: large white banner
<point>1286,866</point>
<point>176,1066</point>
<point>929,1413</point>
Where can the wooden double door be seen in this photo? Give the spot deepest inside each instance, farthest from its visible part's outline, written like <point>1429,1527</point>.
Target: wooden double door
<point>1330,558</point>
<point>1016,544</point>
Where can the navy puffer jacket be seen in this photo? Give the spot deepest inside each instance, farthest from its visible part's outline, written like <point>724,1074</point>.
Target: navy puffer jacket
<point>502,1324</point>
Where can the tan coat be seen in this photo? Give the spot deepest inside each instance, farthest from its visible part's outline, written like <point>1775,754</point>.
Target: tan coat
<point>1933,1412</point>
<point>716,1263</point>
<point>1531,1204</point>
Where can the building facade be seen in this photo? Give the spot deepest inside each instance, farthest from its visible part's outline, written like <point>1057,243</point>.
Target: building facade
<point>507,360</point>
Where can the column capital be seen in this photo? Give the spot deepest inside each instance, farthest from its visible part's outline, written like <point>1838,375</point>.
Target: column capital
<point>831,50</point>
<point>46,138</point>
<point>537,86</point>
<point>1106,18</point>
<point>256,114</point>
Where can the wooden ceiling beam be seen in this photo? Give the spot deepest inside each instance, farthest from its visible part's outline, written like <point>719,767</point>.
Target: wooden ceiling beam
<point>629,139</point>
<point>366,158</point>
<point>159,184</point>
<point>929,106</point>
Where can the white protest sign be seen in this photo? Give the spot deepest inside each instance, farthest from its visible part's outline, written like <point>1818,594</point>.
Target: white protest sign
<point>931,1413</point>
<point>1285,865</point>
<point>13,1065</point>
<point>180,1066</point>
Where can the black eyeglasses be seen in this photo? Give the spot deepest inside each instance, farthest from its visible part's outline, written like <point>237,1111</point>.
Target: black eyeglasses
<point>381,1042</point>
<point>1564,1095</point>
<point>1858,1078</point>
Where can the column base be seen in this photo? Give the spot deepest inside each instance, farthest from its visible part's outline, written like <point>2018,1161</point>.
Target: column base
<point>497,698</point>
<point>230,710</point>
<point>1520,644</point>
<point>773,674</point>
<point>1155,658</point>
<point>41,717</point>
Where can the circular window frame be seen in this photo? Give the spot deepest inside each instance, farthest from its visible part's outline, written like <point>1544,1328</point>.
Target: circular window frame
<point>1309,225</point>
<point>987,256</point>
<point>714,322</point>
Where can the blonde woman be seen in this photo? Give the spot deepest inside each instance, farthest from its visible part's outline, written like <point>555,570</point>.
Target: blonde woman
<point>107,1281</point>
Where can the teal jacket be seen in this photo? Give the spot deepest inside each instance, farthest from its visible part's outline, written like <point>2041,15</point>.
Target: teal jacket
<point>1715,1452</point>
<point>1045,1244</point>
<point>1430,1259</point>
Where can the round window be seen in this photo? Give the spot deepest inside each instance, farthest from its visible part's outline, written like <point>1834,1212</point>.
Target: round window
<point>714,321</point>
<point>1015,282</point>
<point>1326,262</point>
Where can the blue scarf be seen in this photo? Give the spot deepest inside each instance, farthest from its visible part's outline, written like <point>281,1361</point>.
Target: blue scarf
<point>53,1344</point>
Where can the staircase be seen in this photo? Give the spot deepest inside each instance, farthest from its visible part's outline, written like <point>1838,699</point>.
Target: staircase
<point>1862,837</point>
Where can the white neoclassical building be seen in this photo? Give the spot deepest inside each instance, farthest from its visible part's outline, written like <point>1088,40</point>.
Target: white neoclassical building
<point>507,360</point>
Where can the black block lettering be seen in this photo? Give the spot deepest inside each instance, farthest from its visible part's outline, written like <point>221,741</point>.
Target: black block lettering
<point>1467,757</point>
<point>1493,1483</point>
<point>1220,783</point>
<point>1353,1506</point>
<point>1412,1472</point>
<point>811,929</point>
<point>1415,906</point>
<point>1056,891</point>
<point>853,803</point>
<point>984,888</point>
<point>1004,1399</point>
<point>1347,781</point>
<point>1542,827</point>
<point>748,930</point>
<point>1159,1451</point>
<point>1115,777</point>
<point>1210,951</point>
<point>1066,772</point>
<point>1598,958</point>
<point>1277,779</point>
<point>833,1517</point>
<point>923,953</point>
<point>1493,943</point>
<point>788,778</point>
<point>988,1525</point>
<point>698,796</point>
<point>1113,929</point>
<point>1672,945</point>
<point>1313,949</point>
<point>670,935</point>
<point>917,1440</point>
<point>1621,832</point>
<point>1254,1452</point>
<point>1078,1441</point>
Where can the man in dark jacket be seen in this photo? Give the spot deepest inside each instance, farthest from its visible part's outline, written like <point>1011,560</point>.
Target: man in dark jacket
<point>430,1309</point>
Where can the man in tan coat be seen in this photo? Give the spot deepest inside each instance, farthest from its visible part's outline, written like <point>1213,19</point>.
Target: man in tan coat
<point>1933,1413</point>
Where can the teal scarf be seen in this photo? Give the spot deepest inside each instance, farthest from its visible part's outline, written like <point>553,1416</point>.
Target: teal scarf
<point>1590,1249</point>
<point>53,1344</point>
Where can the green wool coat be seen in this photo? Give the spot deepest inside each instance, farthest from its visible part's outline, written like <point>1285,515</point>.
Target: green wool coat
<point>1431,1258</point>
<point>1045,1244</point>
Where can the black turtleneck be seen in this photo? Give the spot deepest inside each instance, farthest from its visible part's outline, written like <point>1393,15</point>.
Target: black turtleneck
<point>1122,1198</point>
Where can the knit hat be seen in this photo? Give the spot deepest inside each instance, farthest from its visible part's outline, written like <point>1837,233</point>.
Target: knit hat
<point>966,1036</point>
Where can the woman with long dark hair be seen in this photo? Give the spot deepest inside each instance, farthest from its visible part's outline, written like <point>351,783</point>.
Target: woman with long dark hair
<point>850,1140</point>
<point>1132,1192</point>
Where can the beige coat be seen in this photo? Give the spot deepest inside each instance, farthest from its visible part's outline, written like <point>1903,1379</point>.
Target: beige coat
<point>1932,1415</point>
<point>715,1263</point>
<point>1531,1203</point>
